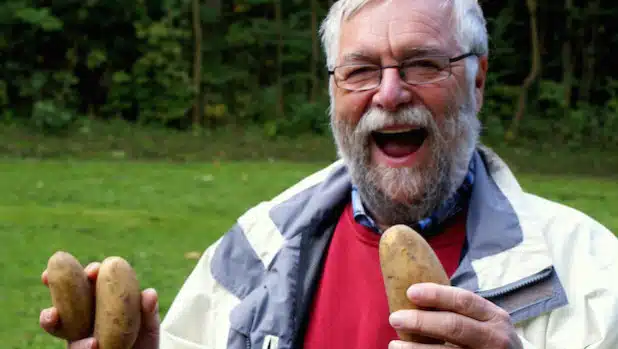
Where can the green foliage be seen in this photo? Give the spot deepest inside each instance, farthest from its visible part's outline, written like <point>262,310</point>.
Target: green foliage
<point>48,117</point>
<point>134,61</point>
<point>39,18</point>
<point>158,81</point>
<point>303,116</point>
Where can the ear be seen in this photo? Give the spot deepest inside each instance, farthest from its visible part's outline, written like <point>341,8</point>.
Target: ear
<point>479,82</point>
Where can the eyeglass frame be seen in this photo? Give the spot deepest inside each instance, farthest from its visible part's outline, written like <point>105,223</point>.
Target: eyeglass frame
<point>399,66</point>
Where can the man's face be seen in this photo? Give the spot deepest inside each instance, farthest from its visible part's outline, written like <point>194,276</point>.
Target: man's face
<point>407,147</point>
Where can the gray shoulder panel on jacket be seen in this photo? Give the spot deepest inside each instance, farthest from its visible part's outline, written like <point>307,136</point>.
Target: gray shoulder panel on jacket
<point>489,214</point>
<point>235,265</point>
<point>310,206</point>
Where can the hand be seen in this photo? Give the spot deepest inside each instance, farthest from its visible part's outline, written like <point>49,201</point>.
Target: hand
<point>459,317</point>
<point>148,337</point>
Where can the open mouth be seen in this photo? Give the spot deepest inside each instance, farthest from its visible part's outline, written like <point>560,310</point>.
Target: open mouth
<point>400,142</point>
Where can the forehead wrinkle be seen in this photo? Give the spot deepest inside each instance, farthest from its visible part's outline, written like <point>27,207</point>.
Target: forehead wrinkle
<point>417,28</point>
<point>418,43</point>
<point>429,20</point>
<point>431,26</point>
<point>437,20</point>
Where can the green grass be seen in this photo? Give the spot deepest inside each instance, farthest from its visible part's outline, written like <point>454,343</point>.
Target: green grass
<point>152,213</point>
<point>119,140</point>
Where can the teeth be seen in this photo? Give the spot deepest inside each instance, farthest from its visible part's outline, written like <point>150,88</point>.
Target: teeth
<point>399,130</point>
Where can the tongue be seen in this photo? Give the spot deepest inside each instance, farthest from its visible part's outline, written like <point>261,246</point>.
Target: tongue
<point>400,144</point>
<point>397,149</point>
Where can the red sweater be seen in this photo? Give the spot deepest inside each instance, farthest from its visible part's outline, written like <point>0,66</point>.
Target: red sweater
<point>350,309</point>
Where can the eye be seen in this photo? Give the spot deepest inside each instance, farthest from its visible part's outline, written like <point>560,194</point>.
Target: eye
<point>426,63</point>
<point>359,72</point>
<point>424,70</point>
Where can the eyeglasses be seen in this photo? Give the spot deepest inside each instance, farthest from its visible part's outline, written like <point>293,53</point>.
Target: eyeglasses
<point>417,71</point>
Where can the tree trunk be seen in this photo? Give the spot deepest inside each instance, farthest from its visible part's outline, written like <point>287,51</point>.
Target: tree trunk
<point>211,25</point>
<point>197,65</point>
<point>567,55</point>
<point>314,51</point>
<point>279,22</point>
<point>589,51</point>
<point>534,71</point>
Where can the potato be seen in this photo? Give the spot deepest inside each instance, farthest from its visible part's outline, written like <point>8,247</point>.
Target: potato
<point>71,294</point>
<point>407,259</point>
<point>118,305</point>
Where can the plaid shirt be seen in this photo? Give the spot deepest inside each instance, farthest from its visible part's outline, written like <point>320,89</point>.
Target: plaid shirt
<point>430,225</point>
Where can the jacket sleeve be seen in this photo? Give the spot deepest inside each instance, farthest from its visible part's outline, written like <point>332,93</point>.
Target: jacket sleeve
<point>586,258</point>
<point>198,316</point>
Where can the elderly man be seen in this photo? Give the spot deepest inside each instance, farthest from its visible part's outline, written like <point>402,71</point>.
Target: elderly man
<point>302,269</point>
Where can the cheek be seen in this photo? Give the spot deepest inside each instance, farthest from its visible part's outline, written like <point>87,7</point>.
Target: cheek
<point>437,100</point>
<point>350,107</point>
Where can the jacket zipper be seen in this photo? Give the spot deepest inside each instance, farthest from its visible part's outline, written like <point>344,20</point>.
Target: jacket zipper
<point>543,274</point>
<point>248,341</point>
<point>301,262</point>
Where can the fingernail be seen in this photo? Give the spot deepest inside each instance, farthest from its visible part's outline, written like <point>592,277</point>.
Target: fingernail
<point>90,343</point>
<point>155,307</point>
<point>47,315</point>
<point>396,319</point>
<point>91,267</point>
<point>415,292</point>
<point>395,345</point>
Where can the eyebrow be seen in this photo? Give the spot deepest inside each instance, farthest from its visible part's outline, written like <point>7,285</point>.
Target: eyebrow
<point>358,56</point>
<point>363,56</point>
<point>412,52</point>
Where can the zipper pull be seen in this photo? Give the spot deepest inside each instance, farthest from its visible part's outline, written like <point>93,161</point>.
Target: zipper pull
<point>271,342</point>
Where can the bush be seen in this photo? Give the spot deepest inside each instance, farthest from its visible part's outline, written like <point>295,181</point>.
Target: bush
<point>50,118</point>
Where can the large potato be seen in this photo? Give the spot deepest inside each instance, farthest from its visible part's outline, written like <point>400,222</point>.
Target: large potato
<point>71,294</point>
<point>118,305</point>
<point>407,259</point>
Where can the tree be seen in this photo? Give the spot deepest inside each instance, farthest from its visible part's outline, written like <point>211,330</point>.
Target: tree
<point>534,70</point>
<point>197,64</point>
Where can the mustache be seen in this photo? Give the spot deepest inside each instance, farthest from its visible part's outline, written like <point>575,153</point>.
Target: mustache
<point>376,119</point>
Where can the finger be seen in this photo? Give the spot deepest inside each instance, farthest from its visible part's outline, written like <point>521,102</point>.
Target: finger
<point>92,270</point>
<point>149,331</point>
<point>447,326</point>
<point>407,345</point>
<point>49,320</point>
<point>150,306</point>
<point>88,343</point>
<point>44,277</point>
<point>451,299</point>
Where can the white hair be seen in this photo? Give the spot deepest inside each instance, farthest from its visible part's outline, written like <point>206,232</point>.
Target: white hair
<point>469,25</point>
<point>468,20</point>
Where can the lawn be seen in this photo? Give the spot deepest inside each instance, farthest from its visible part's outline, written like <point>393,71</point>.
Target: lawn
<point>153,213</point>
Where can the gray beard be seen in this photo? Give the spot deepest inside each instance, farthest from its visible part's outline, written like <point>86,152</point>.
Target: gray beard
<point>406,195</point>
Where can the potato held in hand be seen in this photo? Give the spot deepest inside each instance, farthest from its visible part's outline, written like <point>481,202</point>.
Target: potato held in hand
<point>118,305</point>
<point>71,294</point>
<point>407,259</point>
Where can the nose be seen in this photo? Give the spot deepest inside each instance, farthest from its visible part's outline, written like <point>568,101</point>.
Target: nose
<point>393,93</point>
